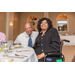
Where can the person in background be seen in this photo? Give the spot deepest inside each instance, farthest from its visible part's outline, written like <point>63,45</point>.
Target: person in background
<point>28,37</point>
<point>2,37</point>
<point>48,39</point>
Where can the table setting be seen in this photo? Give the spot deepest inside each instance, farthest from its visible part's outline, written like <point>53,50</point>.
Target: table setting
<point>14,53</point>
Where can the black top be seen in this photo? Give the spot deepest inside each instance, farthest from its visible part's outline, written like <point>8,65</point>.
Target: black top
<point>49,42</point>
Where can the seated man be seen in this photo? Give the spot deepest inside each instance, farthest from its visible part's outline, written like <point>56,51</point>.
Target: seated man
<point>26,36</point>
<point>2,37</point>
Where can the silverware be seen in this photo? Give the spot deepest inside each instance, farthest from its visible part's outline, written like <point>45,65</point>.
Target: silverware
<point>20,55</point>
<point>16,57</point>
<point>22,50</point>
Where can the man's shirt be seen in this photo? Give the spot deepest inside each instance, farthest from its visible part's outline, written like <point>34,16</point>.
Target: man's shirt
<point>24,37</point>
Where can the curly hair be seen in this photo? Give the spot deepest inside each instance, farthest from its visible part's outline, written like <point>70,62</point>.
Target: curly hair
<point>48,21</point>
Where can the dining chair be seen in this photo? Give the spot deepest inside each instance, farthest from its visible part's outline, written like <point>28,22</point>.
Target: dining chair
<point>2,37</point>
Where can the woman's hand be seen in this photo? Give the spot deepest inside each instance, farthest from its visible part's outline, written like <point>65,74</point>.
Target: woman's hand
<point>40,56</point>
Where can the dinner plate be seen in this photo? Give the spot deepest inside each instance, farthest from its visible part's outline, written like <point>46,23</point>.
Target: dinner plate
<point>17,46</point>
<point>23,49</point>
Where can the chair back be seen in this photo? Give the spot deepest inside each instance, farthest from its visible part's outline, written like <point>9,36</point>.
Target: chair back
<point>2,37</point>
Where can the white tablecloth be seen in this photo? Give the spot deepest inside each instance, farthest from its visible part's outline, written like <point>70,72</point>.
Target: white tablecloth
<point>29,52</point>
<point>71,38</point>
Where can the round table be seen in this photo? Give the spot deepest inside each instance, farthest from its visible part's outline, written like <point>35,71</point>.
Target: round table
<point>26,54</point>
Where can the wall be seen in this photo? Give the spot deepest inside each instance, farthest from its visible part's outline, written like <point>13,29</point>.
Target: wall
<point>20,18</point>
<point>25,15</point>
<point>52,16</point>
<point>71,22</point>
<point>16,25</point>
<point>10,31</point>
<point>3,22</point>
<point>12,25</point>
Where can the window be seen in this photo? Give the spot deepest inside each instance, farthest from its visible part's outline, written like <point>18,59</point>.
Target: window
<point>62,22</point>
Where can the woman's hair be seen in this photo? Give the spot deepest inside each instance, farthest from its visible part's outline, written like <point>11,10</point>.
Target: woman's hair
<point>48,21</point>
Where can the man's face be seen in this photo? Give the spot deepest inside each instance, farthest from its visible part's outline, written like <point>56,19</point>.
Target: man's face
<point>28,28</point>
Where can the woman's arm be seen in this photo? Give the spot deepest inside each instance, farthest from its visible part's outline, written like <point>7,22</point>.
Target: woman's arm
<point>54,45</point>
<point>61,40</point>
<point>40,56</point>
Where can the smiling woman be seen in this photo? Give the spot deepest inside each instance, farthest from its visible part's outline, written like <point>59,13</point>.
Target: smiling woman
<point>44,21</point>
<point>44,25</point>
<point>48,39</point>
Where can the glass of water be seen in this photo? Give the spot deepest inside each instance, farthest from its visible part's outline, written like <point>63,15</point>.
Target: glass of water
<point>10,43</point>
<point>5,48</point>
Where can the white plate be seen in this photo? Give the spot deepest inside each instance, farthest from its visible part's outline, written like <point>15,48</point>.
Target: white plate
<point>23,49</point>
<point>17,46</point>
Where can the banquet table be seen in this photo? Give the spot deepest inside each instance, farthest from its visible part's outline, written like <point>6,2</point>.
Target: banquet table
<point>26,54</point>
<point>70,38</point>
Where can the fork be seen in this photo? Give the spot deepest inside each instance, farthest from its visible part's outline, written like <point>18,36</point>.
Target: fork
<point>22,50</point>
<point>20,55</point>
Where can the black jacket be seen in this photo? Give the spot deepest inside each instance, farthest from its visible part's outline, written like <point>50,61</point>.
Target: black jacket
<point>49,42</point>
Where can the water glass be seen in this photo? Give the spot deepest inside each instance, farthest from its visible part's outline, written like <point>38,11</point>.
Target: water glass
<point>5,48</point>
<point>10,43</point>
<point>11,49</point>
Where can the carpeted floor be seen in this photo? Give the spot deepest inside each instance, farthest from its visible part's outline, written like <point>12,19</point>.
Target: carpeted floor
<point>68,52</point>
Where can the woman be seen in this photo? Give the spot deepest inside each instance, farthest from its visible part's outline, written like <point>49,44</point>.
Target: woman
<point>48,39</point>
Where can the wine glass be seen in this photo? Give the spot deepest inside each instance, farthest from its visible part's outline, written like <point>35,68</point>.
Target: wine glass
<point>5,48</point>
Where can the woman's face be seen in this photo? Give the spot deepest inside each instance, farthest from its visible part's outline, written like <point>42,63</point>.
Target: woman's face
<point>44,25</point>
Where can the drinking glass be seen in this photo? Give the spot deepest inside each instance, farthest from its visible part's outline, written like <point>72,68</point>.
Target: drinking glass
<point>10,43</point>
<point>11,47</point>
<point>5,48</point>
